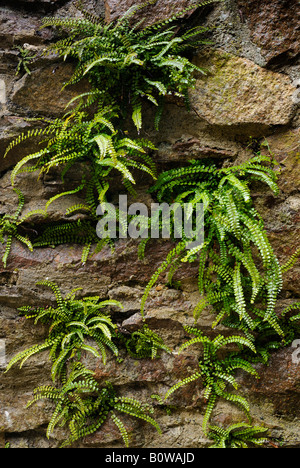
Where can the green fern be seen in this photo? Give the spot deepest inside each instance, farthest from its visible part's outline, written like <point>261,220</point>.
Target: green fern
<point>71,324</point>
<point>130,64</point>
<point>82,232</point>
<point>265,336</point>
<point>78,232</point>
<point>26,57</point>
<point>126,65</point>
<point>76,139</point>
<point>9,228</point>
<point>292,307</point>
<point>235,281</point>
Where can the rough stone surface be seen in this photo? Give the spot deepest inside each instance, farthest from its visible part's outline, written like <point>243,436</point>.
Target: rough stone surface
<point>41,91</point>
<point>160,11</point>
<point>241,99</point>
<point>274,27</point>
<point>236,92</point>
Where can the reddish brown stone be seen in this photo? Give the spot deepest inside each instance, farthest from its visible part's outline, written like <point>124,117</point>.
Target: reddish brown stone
<point>274,26</point>
<point>285,146</point>
<point>109,433</point>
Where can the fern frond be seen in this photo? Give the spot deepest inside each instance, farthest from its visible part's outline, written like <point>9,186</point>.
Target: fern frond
<point>242,187</point>
<point>79,207</point>
<point>32,213</point>
<point>137,114</point>
<point>287,310</point>
<point>237,436</point>
<point>26,354</point>
<point>7,250</point>
<point>183,382</point>
<point>79,232</point>
<point>24,161</point>
<point>59,195</point>
<point>25,241</point>
<point>199,309</point>
<point>237,400</point>
<point>161,24</point>
<point>176,251</point>
<point>291,262</point>
<point>261,175</point>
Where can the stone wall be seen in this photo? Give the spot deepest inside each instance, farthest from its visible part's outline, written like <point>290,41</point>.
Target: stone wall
<point>250,91</point>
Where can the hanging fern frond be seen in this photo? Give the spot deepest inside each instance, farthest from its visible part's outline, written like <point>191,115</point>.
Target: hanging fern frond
<point>291,262</point>
<point>77,232</point>
<point>239,435</point>
<point>145,343</point>
<point>176,251</point>
<point>83,406</point>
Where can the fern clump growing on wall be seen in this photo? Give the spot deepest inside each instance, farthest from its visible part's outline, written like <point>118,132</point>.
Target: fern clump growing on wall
<point>71,323</point>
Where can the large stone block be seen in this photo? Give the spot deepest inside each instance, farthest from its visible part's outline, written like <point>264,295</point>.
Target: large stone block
<point>159,11</point>
<point>236,92</point>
